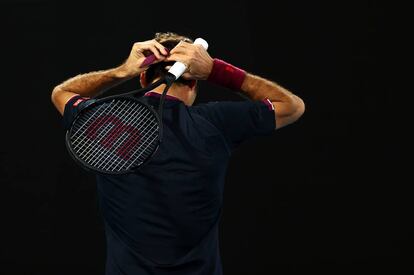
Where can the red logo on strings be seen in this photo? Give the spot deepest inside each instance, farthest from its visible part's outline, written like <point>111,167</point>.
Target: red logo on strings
<point>124,148</point>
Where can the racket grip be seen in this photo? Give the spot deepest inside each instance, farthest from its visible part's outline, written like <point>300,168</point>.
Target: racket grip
<point>148,61</point>
<point>179,68</point>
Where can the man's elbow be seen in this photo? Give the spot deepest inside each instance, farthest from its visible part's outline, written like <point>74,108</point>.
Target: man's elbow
<point>55,94</point>
<point>59,98</point>
<point>289,112</point>
<point>296,109</point>
<point>299,107</point>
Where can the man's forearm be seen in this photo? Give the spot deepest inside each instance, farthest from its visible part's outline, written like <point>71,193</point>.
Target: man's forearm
<point>87,85</point>
<point>258,88</point>
<point>93,83</point>
<point>255,87</point>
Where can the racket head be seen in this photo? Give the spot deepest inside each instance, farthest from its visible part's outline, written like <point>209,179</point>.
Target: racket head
<point>114,135</point>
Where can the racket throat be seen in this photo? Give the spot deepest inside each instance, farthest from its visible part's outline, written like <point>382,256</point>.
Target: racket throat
<point>169,80</point>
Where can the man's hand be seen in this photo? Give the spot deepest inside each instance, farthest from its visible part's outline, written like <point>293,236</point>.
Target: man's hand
<point>132,66</point>
<point>94,83</point>
<point>199,63</point>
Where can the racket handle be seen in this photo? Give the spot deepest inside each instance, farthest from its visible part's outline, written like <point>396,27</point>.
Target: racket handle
<point>179,68</point>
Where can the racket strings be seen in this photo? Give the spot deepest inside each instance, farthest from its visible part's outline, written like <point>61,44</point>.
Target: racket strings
<point>102,157</point>
<point>103,128</point>
<point>84,120</point>
<point>112,132</point>
<point>132,142</point>
<point>82,144</point>
<point>143,153</point>
<point>115,135</point>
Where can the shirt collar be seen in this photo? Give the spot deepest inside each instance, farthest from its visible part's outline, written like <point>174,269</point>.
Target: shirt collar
<point>157,95</point>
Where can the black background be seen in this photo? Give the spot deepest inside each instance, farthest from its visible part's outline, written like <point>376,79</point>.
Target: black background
<point>327,193</point>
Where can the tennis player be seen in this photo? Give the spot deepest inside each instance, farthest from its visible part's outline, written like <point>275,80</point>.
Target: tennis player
<point>163,219</point>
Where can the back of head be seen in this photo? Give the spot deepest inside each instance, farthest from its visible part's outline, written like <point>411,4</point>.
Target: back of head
<point>169,40</point>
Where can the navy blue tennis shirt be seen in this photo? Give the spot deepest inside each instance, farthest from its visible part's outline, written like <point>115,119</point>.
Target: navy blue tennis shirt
<point>163,218</point>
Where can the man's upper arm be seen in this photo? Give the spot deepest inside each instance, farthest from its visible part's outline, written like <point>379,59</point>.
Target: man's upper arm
<point>240,120</point>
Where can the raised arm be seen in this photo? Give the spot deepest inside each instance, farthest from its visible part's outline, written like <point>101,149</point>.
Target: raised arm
<point>94,83</point>
<point>287,106</point>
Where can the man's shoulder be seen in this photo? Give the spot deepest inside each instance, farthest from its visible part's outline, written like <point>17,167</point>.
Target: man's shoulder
<point>224,107</point>
<point>215,105</point>
<point>212,109</point>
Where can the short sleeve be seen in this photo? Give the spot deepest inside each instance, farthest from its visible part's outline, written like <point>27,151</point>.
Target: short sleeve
<point>73,107</point>
<point>239,120</point>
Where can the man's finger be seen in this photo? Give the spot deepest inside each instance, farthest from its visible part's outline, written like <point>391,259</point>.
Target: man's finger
<point>151,59</point>
<point>176,57</point>
<point>180,48</point>
<point>187,76</point>
<point>177,50</point>
<point>161,48</point>
<point>155,51</point>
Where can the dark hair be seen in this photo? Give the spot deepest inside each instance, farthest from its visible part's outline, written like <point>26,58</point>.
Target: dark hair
<point>168,40</point>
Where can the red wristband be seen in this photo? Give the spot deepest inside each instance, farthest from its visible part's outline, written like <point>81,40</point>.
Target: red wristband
<point>226,75</point>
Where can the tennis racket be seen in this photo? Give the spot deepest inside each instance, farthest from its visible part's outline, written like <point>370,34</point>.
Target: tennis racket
<point>119,134</point>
